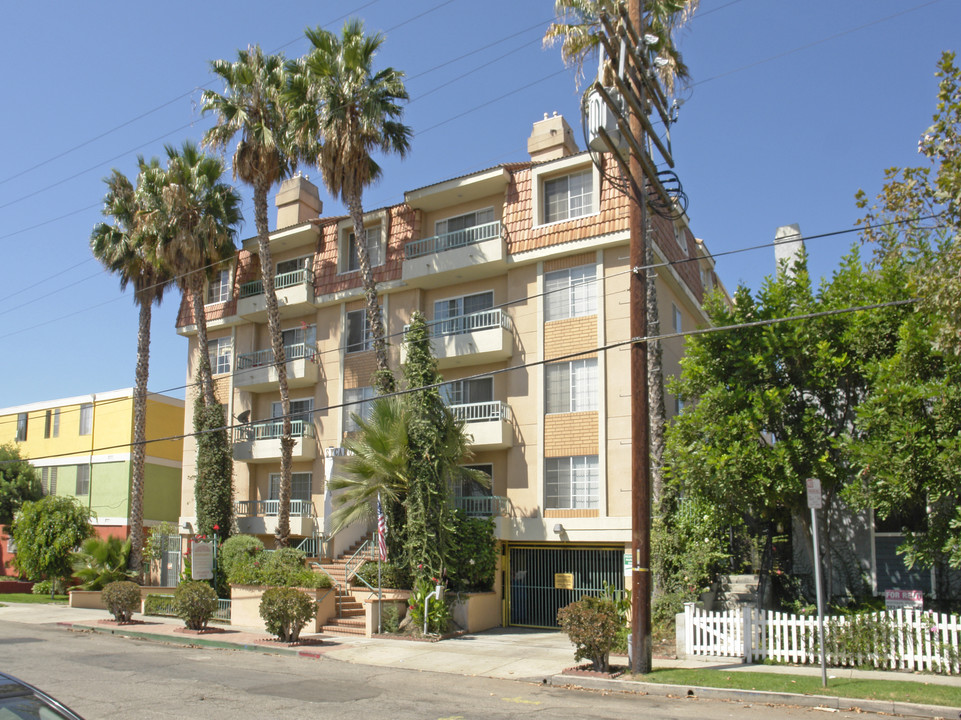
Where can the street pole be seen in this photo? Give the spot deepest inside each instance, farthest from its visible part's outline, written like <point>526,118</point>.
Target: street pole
<point>640,423</point>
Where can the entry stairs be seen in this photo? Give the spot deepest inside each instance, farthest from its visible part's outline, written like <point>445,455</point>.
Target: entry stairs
<point>350,618</point>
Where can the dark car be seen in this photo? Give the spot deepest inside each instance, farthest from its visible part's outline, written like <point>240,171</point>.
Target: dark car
<point>20,701</point>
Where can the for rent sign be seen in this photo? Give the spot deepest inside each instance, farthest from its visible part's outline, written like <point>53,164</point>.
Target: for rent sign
<point>894,599</point>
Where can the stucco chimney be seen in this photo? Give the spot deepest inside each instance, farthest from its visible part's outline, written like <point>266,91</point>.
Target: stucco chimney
<point>788,245</point>
<point>551,138</point>
<point>297,201</point>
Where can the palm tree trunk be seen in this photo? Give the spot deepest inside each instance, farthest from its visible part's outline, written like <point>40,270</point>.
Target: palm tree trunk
<point>384,382</point>
<point>261,188</point>
<point>655,378</point>
<point>139,454</point>
<point>196,290</point>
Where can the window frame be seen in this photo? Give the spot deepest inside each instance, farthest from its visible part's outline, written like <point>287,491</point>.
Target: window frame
<point>83,480</point>
<point>51,423</point>
<point>677,318</point>
<point>273,483</point>
<point>582,470</point>
<point>224,284</point>
<point>348,253</point>
<point>48,479</point>
<point>461,390</point>
<point>23,420</point>
<point>298,262</point>
<point>367,338</point>
<point>223,356</point>
<point>562,300</point>
<point>579,398</point>
<point>680,237</point>
<point>86,419</point>
<point>576,202</point>
<point>356,401</point>
<point>437,223</point>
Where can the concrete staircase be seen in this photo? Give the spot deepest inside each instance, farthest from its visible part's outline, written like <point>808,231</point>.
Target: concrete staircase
<point>350,611</point>
<point>737,591</point>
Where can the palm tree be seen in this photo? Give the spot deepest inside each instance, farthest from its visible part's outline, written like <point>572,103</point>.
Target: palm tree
<point>252,106</point>
<point>341,112</point>
<point>196,222</point>
<point>128,248</point>
<point>578,26</point>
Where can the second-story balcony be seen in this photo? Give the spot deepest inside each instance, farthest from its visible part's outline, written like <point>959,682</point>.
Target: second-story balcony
<point>472,252</point>
<point>473,339</point>
<point>260,442</point>
<point>259,517</point>
<point>257,371</point>
<point>483,506</point>
<point>295,292</point>
<point>488,423</point>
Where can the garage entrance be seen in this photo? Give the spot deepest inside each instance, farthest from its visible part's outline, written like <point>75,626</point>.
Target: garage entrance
<point>543,579</point>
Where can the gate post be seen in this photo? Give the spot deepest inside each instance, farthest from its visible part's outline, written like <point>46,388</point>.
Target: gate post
<point>748,613</point>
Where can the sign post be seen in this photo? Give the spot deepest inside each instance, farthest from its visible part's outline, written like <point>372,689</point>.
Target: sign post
<point>815,502</point>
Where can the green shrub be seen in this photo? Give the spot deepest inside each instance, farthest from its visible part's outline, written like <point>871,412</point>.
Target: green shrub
<point>122,599</point>
<point>280,568</point>
<point>195,602</point>
<point>389,617</point>
<point>285,612</point>
<point>101,561</point>
<point>157,605</point>
<point>235,549</point>
<point>438,611</point>
<point>391,576</point>
<point>473,561</point>
<point>592,624</point>
<point>48,587</point>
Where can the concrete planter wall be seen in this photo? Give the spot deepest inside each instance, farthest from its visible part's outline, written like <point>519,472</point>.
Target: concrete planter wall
<point>245,606</point>
<point>91,598</point>
<point>477,611</point>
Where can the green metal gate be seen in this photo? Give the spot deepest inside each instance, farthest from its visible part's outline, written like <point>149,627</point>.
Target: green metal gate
<point>538,575</point>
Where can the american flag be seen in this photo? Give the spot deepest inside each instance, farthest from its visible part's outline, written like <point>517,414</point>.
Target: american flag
<point>381,532</point>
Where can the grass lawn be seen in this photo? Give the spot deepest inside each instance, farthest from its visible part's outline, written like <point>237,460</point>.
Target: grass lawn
<point>893,689</point>
<point>31,598</point>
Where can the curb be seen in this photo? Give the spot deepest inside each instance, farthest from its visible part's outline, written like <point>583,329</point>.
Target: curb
<point>758,696</point>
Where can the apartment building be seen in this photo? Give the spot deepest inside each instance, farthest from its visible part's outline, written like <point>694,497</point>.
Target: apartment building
<point>513,266</point>
<point>81,448</point>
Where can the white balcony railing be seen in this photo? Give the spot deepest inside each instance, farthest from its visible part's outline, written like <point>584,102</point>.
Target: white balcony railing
<point>482,412</point>
<point>452,240</point>
<point>272,430</point>
<point>461,324</point>
<point>258,508</point>
<point>262,358</point>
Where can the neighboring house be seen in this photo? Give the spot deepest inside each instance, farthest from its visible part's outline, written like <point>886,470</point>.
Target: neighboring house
<point>512,265</point>
<point>81,448</point>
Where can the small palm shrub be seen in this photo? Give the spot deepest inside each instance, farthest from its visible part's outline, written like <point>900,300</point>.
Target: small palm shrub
<point>591,623</point>
<point>100,562</point>
<point>286,611</point>
<point>195,602</point>
<point>122,599</point>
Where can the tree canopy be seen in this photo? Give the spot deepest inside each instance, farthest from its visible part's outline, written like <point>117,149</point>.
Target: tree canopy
<point>19,482</point>
<point>46,532</point>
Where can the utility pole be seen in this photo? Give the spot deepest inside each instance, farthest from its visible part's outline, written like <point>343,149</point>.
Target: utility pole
<point>619,121</point>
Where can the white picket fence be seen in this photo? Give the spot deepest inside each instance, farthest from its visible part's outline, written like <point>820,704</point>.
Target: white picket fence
<point>896,640</point>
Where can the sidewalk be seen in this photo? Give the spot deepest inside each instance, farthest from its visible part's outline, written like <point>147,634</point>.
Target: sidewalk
<point>507,653</point>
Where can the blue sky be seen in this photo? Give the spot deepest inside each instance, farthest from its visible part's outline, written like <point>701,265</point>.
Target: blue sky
<point>793,107</point>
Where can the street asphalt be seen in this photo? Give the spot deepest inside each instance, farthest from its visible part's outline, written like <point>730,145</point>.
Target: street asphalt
<point>508,653</point>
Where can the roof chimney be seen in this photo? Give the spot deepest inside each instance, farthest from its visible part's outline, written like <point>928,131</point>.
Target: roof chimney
<point>551,138</point>
<point>297,201</point>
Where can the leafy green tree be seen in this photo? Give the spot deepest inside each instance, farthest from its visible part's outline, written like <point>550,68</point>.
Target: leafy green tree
<point>46,532</point>
<point>252,106</point>
<point>213,487</point>
<point>341,112</point>
<point>19,482</point>
<point>128,248</point>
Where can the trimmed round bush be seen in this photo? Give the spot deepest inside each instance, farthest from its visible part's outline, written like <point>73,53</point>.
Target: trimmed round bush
<point>592,624</point>
<point>122,599</point>
<point>285,612</point>
<point>195,602</point>
<point>238,548</point>
<point>279,568</point>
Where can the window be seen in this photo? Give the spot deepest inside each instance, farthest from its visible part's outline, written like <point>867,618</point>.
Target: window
<point>299,486</point>
<point>463,222</point>
<point>300,410</point>
<point>375,250</point>
<point>570,293</point>
<point>86,418</point>
<point>468,487</point>
<point>706,279</point>
<point>21,427</point>
<point>359,337</point>
<point>48,480</point>
<point>219,352</point>
<point>568,197</point>
<point>468,392</point>
<point>51,423</point>
<point>680,237</point>
<point>83,480</point>
<point>289,266</point>
<point>356,402</point>
<point>572,482</point>
<point>299,342</point>
<point>677,317</point>
<point>449,315</point>
<point>571,386</point>
<point>678,405</point>
<point>218,289</point>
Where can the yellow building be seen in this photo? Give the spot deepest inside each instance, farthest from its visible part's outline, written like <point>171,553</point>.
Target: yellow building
<point>81,448</point>
<point>513,265</point>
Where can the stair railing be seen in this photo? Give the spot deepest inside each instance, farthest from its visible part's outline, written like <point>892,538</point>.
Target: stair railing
<point>364,553</point>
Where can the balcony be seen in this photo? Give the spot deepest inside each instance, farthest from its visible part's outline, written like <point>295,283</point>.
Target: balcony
<point>470,253</point>
<point>260,443</point>
<point>257,372</point>
<point>294,290</point>
<point>489,423</point>
<point>259,517</point>
<point>480,337</point>
<point>483,506</point>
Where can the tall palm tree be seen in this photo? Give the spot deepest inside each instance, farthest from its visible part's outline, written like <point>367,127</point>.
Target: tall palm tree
<point>251,105</point>
<point>342,111</point>
<point>196,222</point>
<point>127,248</point>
